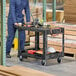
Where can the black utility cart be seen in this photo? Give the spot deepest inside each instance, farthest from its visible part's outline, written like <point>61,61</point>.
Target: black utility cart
<point>44,56</point>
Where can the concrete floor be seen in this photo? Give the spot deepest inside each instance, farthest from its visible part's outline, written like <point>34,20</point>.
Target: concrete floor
<point>66,68</point>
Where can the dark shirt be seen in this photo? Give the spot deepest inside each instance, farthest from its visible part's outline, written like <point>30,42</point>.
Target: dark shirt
<point>15,10</point>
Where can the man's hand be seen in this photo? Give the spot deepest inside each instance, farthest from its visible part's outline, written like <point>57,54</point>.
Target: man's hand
<point>28,24</point>
<point>16,24</point>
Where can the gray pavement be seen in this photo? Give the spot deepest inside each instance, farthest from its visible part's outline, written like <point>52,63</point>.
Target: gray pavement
<point>66,68</point>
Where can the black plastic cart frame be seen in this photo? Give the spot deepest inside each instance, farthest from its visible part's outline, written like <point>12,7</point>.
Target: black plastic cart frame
<point>45,32</point>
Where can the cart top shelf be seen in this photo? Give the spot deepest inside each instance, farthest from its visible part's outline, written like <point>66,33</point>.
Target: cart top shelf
<point>55,30</point>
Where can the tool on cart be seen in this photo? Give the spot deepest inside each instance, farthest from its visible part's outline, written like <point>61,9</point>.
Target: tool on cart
<point>35,23</point>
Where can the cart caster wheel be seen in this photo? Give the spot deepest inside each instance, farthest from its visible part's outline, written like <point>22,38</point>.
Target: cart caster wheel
<point>20,58</point>
<point>59,60</point>
<point>43,62</point>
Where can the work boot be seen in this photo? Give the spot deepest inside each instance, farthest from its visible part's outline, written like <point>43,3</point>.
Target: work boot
<point>8,55</point>
<point>23,51</point>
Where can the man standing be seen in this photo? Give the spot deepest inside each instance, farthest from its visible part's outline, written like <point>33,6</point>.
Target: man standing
<point>15,16</point>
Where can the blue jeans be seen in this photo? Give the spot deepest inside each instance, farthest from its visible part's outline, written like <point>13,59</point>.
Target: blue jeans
<point>11,35</point>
